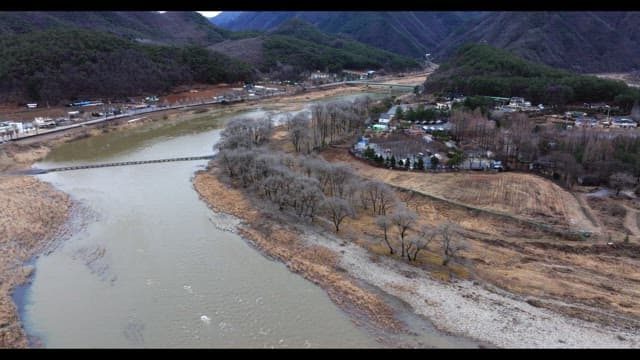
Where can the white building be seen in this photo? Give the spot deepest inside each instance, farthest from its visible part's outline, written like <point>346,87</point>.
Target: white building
<point>624,123</point>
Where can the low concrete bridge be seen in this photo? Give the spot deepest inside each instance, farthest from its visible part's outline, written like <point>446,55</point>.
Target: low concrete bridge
<point>407,86</point>
<point>124,163</point>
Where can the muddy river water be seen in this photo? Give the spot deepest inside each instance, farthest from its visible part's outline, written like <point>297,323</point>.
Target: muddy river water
<point>153,266</point>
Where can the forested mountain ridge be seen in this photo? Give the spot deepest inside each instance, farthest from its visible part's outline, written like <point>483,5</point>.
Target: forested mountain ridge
<point>65,63</point>
<point>409,33</point>
<point>580,41</point>
<point>296,47</point>
<point>485,70</point>
<point>171,28</point>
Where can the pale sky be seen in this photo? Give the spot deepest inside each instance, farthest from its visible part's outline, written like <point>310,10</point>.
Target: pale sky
<point>209,13</point>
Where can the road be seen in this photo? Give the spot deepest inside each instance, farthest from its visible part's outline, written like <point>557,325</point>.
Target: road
<point>400,82</point>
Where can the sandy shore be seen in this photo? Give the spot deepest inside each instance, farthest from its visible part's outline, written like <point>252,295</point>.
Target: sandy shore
<point>464,308</point>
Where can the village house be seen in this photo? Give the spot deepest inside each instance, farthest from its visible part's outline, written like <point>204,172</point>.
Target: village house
<point>586,122</point>
<point>623,123</point>
<point>443,105</point>
<point>385,118</point>
<point>416,130</point>
<point>319,75</point>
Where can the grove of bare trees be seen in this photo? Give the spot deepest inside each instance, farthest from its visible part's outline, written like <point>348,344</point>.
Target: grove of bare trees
<point>309,188</point>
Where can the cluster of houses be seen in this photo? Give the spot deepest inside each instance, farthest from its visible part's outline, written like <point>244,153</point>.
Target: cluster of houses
<point>616,122</point>
<point>515,104</point>
<point>346,75</point>
<point>431,159</point>
<point>448,103</point>
<point>10,129</point>
<point>418,128</point>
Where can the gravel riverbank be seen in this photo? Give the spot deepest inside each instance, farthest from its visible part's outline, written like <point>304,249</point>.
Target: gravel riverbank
<point>466,308</point>
<point>461,307</point>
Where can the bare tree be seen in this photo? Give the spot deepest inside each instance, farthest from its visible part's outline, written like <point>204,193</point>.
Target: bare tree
<point>564,164</point>
<point>299,131</point>
<point>420,242</point>
<point>235,136</point>
<point>352,191</point>
<point>379,195</point>
<point>306,197</point>
<point>319,124</point>
<point>621,180</point>
<point>338,209</point>
<point>403,219</point>
<point>246,133</point>
<point>339,176</point>
<point>334,120</point>
<point>384,223</point>
<point>452,243</point>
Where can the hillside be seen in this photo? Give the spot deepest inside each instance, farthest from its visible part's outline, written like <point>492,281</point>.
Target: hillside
<point>225,18</point>
<point>484,70</point>
<point>174,28</point>
<point>298,46</point>
<point>410,33</point>
<point>64,64</point>
<point>581,41</point>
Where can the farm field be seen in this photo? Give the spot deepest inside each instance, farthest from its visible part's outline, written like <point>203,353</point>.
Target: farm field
<point>522,195</point>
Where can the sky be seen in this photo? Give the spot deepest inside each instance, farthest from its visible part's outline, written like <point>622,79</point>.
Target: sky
<point>209,13</point>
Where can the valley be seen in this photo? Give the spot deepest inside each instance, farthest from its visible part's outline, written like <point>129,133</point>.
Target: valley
<point>288,179</point>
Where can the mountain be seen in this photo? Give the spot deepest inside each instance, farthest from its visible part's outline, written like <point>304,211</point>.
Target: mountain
<point>580,41</point>
<point>297,46</point>
<point>409,33</point>
<point>170,28</point>
<point>479,69</point>
<point>62,64</point>
<point>225,18</point>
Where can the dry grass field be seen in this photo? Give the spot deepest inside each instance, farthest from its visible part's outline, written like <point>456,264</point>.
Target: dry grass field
<point>586,279</point>
<point>31,212</point>
<point>521,195</point>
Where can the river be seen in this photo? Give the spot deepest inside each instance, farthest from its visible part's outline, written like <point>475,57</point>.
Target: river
<point>153,267</point>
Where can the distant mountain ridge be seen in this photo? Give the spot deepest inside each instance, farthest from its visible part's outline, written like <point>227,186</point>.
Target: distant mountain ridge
<point>580,41</point>
<point>170,28</point>
<point>409,33</point>
<point>61,56</point>
<point>296,46</point>
<point>225,18</point>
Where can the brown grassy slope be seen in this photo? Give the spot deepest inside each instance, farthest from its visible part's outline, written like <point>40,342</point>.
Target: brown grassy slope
<point>584,279</point>
<point>610,212</point>
<point>523,195</point>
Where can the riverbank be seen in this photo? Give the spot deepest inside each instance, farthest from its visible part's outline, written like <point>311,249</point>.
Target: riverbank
<point>316,263</point>
<point>461,307</point>
<point>33,213</point>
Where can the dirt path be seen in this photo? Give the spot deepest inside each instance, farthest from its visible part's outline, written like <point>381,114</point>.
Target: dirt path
<point>589,220</point>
